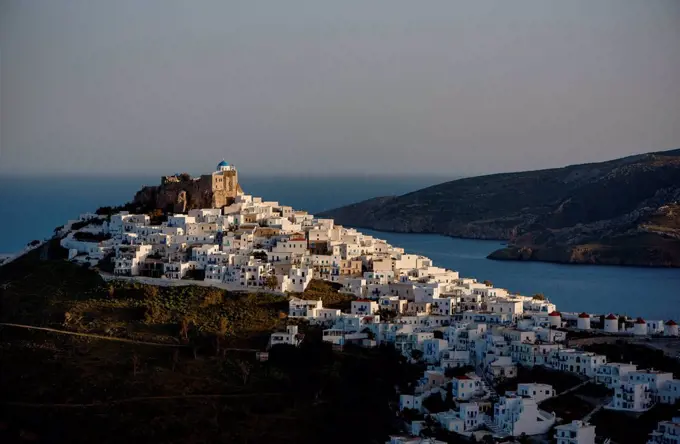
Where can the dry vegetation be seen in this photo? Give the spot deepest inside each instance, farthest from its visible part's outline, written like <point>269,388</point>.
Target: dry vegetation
<point>194,386</point>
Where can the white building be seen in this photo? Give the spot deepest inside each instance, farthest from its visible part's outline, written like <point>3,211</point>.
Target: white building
<point>414,402</point>
<point>613,374</point>
<point>303,308</point>
<point>364,307</point>
<point>514,307</point>
<point>289,337</point>
<point>466,387</point>
<point>466,419</point>
<point>539,392</point>
<point>433,348</point>
<point>515,415</point>
<point>455,358</point>
<point>128,258</point>
<point>667,432</point>
<point>631,397</point>
<point>576,432</point>
<point>569,360</point>
<point>297,280</point>
<point>669,392</point>
<point>501,367</point>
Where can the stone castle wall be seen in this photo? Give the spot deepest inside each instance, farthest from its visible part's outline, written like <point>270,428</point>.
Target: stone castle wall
<point>181,195</point>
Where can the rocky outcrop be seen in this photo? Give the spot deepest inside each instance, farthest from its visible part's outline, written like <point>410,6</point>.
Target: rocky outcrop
<point>176,197</point>
<point>617,212</point>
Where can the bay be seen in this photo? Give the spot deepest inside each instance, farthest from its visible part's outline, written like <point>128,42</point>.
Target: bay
<point>31,207</point>
<point>652,293</point>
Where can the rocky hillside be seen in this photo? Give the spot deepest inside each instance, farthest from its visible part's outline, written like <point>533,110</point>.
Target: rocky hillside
<point>617,212</point>
<point>180,196</point>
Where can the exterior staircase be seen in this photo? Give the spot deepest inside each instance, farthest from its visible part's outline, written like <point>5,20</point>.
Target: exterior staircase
<point>488,422</point>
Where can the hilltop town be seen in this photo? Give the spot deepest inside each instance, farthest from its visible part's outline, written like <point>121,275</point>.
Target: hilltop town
<point>472,337</point>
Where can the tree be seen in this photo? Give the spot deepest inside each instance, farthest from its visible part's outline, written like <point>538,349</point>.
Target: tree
<point>438,334</point>
<point>488,283</point>
<point>271,282</point>
<point>416,354</point>
<point>434,403</point>
<point>150,292</point>
<point>386,314</point>
<point>539,297</point>
<point>260,255</point>
<point>369,332</point>
<point>488,439</point>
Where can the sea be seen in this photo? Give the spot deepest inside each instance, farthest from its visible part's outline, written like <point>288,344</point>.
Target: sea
<point>31,207</point>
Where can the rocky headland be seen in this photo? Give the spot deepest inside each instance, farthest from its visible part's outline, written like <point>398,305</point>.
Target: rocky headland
<point>620,212</point>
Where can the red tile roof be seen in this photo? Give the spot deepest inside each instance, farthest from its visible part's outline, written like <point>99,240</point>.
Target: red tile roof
<point>640,321</point>
<point>584,315</point>
<point>555,313</point>
<point>611,317</point>
<point>671,322</point>
<point>463,377</point>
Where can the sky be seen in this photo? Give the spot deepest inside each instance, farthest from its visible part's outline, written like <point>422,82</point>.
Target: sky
<point>346,87</point>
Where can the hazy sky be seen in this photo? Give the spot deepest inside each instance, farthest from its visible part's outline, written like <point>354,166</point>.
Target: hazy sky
<point>350,86</point>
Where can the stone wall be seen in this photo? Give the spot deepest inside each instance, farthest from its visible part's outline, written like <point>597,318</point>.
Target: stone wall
<point>184,194</point>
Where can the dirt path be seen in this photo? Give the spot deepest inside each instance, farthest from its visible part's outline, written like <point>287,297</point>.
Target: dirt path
<point>113,338</point>
<point>89,335</point>
<point>140,399</point>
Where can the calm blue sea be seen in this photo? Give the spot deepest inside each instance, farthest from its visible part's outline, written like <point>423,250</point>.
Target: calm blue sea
<point>30,208</point>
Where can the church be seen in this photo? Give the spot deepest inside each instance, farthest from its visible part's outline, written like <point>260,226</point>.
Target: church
<point>180,193</point>
<point>223,183</point>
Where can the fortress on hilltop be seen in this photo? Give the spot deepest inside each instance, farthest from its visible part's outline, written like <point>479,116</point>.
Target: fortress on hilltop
<point>180,193</point>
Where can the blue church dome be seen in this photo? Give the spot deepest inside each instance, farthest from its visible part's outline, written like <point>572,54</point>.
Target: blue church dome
<point>222,164</point>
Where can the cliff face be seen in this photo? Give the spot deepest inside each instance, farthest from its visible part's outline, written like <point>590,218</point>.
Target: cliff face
<point>176,197</point>
<point>616,212</point>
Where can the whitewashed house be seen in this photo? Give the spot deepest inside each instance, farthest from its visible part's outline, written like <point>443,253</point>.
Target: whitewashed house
<point>515,415</point>
<point>297,280</point>
<point>669,393</point>
<point>289,337</point>
<point>667,432</point>
<point>502,367</point>
<point>539,392</point>
<point>529,355</point>
<point>364,307</point>
<point>575,432</point>
<point>613,374</point>
<point>657,380</point>
<point>303,308</point>
<point>414,402</point>
<point>632,397</point>
<point>466,387</point>
<point>128,258</point>
<point>466,419</point>
<point>569,360</point>
<point>455,358</point>
<point>433,348</point>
